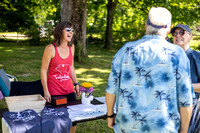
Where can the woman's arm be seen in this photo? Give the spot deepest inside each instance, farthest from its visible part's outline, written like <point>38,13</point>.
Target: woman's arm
<point>49,53</point>
<point>73,74</point>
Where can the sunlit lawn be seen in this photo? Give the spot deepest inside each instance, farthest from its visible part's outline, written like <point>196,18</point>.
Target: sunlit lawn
<point>24,62</point>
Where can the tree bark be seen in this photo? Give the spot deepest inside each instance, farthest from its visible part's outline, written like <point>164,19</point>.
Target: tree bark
<point>110,12</point>
<point>75,12</point>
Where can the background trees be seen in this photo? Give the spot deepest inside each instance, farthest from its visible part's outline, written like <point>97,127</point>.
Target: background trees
<point>109,22</point>
<point>22,14</point>
<point>74,11</point>
<point>15,14</point>
<point>110,12</point>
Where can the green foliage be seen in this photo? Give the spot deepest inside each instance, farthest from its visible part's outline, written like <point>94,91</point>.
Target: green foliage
<point>16,15</point>
<point>39,36</point>
<point>49,28</point>
<point>130,16</point>
<point>128,22</point>
<point>34,35</point>
<point>53,12</point>
<point>186,12</point>
<point>196,38</point>
<point>24,13</point>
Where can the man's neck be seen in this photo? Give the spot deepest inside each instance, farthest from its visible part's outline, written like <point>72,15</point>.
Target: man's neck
<point>186,47</point>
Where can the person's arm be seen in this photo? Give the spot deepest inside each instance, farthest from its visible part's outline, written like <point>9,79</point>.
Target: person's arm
<point>110,102</point>
<point>73,73</point>
<point>185,114</point>
<point>46,58</point>
<point>196,87</point>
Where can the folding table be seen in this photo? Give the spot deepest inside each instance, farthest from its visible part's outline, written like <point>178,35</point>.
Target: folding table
<point>78,113</point>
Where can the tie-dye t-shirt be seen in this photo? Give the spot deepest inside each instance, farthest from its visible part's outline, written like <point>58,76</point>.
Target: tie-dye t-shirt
<point>151,80</point>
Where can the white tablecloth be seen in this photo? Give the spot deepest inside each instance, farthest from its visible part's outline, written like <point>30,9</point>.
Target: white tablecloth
<point>77,113</point>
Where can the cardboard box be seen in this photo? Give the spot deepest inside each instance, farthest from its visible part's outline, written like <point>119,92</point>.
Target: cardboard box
<point>59,100</point>
<point>20,103</point>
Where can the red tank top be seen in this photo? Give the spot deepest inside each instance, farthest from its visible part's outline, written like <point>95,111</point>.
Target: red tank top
<point>59,76</point>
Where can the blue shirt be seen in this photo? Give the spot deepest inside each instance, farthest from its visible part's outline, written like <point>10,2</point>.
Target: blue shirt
<point>151,80</point>
<point>194,57</point>
<point>27,121</point>
<point>55,120</point>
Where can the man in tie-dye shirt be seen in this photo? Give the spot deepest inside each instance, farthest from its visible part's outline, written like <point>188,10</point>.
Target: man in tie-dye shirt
<point>150,82</point>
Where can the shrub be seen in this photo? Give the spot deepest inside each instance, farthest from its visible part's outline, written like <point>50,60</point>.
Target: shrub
<point>34,35</point>
<point>38,36</point>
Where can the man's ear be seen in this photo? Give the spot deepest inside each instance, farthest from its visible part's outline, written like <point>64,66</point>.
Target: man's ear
<point>168,30</point>
<point>191,37</point>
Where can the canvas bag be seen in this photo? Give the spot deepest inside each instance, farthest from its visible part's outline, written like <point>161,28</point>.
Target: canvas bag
<point>11,78</point>
<point>5,78</point>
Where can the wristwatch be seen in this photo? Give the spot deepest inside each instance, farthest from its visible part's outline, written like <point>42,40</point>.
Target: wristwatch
<point>76,84</point>
<point>110,116</point>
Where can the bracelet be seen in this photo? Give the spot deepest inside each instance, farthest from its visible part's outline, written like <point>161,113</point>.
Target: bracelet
<point>110,116</point>
<point>76,84</point>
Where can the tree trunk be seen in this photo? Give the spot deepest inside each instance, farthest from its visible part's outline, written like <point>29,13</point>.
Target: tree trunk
<point>110,12</point>
<point>74,11</point>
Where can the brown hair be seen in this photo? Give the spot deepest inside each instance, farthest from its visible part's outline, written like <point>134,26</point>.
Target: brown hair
<point>58,34</point>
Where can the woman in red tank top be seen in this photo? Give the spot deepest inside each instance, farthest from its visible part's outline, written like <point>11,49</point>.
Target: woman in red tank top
<point>58,63</point>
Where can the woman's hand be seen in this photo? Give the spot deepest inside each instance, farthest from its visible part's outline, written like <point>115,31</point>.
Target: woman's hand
<point>47,97</point>
<point>78,93</point>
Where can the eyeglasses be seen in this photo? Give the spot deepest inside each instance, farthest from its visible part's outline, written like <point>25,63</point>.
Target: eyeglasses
<point>181,33</point>
<point>69,29</point>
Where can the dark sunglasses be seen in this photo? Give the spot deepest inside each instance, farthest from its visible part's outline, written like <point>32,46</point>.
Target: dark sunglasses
<point>181,33</point>
<point>69,29</point>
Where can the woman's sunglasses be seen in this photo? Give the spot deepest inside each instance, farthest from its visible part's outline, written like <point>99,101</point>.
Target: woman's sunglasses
<point>69,29</point>
<point>181,33</point>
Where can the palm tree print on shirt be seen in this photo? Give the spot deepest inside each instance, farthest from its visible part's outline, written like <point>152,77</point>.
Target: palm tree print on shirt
<point>128,50</point>
<point>184,104</point>
<point>122,93</point>
<point>167,98</point>
<point>145,76</point>
<point>173,116</point>
<point>134,52</point>
<point>139,72</point>
<point>177,74</point>
<point>135,115</point>
<point>129,97</point>
<point>139,119</point>
<point>166,52</point>
<point>135,56</point>
<point>114,81</point>
<point>160,96</point>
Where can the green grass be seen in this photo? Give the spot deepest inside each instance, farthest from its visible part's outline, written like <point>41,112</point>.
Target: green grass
<point>25,61</point>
